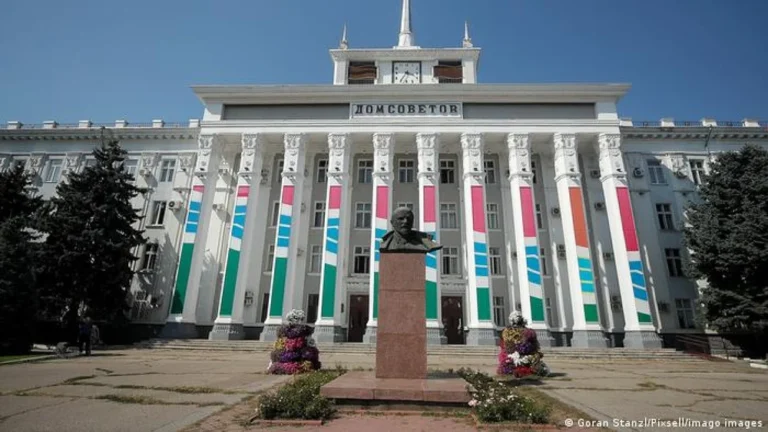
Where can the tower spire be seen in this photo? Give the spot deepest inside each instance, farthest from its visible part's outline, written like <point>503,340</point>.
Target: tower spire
<point>467,43</point>
<point>406,39</point>
<point>343,44</point>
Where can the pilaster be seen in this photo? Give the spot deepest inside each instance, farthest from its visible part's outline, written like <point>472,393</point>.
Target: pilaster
<point>383,153</point>
<point>481,329</point>
<point>181,320</point>
<point>284,295</point>
<point>428,146</point>
<point>526,240</point>
<point>581,280</point>
<point>229,323</point>
<point>328,327</point>
<point>639,331</point>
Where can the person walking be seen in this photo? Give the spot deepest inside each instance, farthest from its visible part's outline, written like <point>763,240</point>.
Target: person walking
<point>84,339</point>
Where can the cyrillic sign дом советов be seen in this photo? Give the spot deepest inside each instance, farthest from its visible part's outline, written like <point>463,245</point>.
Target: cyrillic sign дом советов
<point>367,110</point>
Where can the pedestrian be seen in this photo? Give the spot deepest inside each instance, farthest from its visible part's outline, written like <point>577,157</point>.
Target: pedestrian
<point>84,339</point>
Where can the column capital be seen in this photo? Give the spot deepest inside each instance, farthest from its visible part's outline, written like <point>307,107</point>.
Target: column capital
<point>472,155</point>
<point>294,141</point>
<point>187,161</point>
<point>71,162</point>
<point>339,141</point>
<point>252,146</point>
<point>428,147</point>
<point>295,144</point>
<point>339,146</point>
<point>610,157</point>
<point>472,142</point>
<point>519,157</point>
<point>383,152</point>
<point>148,160</point>
<point>206,144</point>
<point>566,157</point>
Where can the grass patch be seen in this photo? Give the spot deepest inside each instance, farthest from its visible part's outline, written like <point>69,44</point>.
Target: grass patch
<point>146,400</point>
<point>299,399</point>
<point>181,389</point>
<point>12,358</point>
<point>558,410</point>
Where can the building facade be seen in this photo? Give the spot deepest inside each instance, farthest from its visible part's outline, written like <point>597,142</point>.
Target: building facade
<point>544,199</point>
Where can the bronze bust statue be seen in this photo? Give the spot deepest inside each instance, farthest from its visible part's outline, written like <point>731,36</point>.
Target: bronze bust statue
<point>403,238</point>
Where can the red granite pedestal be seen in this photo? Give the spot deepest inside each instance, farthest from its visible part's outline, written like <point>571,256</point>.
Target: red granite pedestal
<point>401,344</point>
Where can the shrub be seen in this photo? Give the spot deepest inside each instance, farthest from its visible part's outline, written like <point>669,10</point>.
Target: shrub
<point>299,400</point>
<point>495,401</point>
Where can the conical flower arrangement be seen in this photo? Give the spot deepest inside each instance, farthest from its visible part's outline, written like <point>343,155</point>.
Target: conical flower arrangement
<point>294,351</point>
<point>520,355</point>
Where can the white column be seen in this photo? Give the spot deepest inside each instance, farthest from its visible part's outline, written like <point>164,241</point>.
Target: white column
<point>481,329</point>
<point>229,322</point>
<point>526,236</point>
<point>428,145</point>
<point>639,331</point>
<point>383,152</point>
<point>181,320</point>
<point>581,280</point>
<point>284,295</point>
<point>328,327</point>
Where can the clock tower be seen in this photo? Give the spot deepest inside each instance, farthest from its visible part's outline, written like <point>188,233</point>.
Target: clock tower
<point>406,63</point>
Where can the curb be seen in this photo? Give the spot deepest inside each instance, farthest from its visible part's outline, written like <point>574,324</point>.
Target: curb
<point>29,360</point>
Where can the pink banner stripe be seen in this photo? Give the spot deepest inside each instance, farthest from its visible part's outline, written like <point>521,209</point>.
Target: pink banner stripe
<point>429,204</point>
<point>382,204</point>
<point>478,209</point>
<point>526,204</point>
<point>198,188</point>
<point>243,191</point>
<point>627,221</point>
<point>334,198</point>
<point>287,195</point>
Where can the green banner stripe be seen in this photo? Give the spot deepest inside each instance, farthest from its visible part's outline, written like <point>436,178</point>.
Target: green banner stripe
<point>590,313</point>
<point>182,278</point>
<point>376,295</point>
<point>432,300</point>
<point>644,318</point>
<point>230,281</point>
<point>329,291</point>
<point>537,309</point>
<point>277,294</point>
<point>484,304</point>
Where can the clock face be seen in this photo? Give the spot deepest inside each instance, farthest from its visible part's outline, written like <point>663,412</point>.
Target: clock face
<point>407,73</point>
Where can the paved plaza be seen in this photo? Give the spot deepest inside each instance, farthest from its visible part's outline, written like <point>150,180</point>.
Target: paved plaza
<point>164,390</point>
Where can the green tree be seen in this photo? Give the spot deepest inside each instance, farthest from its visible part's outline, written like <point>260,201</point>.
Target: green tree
<point>91,239</point>
<point>18,261</point>
<point>728,239</point>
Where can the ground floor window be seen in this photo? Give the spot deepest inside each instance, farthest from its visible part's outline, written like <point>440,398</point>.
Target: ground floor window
<point>499,312</point>
<point>312,301</point>
<point>450,264</point>
<point>684,313</point>
<point>265,307</point>
<point>362,260</point>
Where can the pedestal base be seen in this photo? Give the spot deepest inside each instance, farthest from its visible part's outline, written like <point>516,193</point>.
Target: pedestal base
<point>642,339</point>
<point>481,336</point>
<point>226,332</point>
<point>365,387</point>
<point>436,336</point>
<point>545,338</point>
<point>370,335</point>
<point>588,339</point>
<point>269,334</point>
<point>179,330</point>
<point>328,334</point>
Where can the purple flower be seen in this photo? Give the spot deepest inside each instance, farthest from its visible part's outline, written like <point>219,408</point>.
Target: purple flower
<point>289,356</point>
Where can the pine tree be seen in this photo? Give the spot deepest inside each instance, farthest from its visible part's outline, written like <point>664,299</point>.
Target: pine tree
<point>18,261</point>
<point>91,239</point>
<point>728,238</point>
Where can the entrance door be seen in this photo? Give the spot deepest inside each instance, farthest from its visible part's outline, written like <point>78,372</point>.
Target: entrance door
<point>358,317</point>
<point>453,319</point>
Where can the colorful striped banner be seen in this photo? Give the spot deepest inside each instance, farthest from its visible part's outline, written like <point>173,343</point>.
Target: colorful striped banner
<point>187,249</point>
<point>233,255</point>
<point>480,254</point>
<point>636,273</point>
<point>282,241</point>
<point>380,228</point>
<point>330,256</point>
<point>430,227</point>
<point>532,260</point>
<point>586,275</point>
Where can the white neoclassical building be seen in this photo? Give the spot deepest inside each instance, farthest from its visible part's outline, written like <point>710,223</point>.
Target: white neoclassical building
<point>544,199</point>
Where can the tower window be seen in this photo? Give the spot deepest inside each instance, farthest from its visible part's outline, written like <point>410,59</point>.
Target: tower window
<point>449,72</point>
<point>361,73</point>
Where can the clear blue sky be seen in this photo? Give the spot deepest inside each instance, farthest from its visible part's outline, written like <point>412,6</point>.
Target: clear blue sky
<point>105,60</point>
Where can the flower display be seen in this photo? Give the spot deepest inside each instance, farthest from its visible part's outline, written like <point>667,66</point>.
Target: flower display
<point>294,350</point>
<point>519,354</point>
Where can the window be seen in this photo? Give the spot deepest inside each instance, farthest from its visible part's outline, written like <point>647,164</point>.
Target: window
<point>450,262</point>
<point>664,215</point>
<point>447,171</point>
<point>494,260</point>
<point>533,171</point>
<point>489,167</point>
<point>322,170</point>
<point>448,72</point>
<point>406,170</point>
<point>697,171</point>
<point>150,257</point>
<point>361,73</point>
<point>54,171</point>
<point>492,215</point>
<point>318,219</point>
<point>167,169</point>
<point>448,216</point>
<point>499,314</point>
<point>315,258</point>
<point>275,212</point>
<point>550,316</point>
<point>363,215</point>
<point>406,204</point>
<point>131,166</point>
<point>656,172</point>
<point>539,219</point>
<point>265,307</point>
<point>674,262</point>
<point>312,301</point>
<point>90,163</point>
<point>362,259</point>
<point>270,259</point>
<point>279,171</point>
<point>158,212</point>
<point>684,313</point>
<point>543,261</point>
<point>365,171</point>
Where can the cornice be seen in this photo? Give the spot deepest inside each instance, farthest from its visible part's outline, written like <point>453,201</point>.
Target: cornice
<point>95,134</point>
<point>698,133</point>
<point>426,54</point>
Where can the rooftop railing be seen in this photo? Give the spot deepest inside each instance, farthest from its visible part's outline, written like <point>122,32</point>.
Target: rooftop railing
<point>667,122</point>
<point>85,124</point>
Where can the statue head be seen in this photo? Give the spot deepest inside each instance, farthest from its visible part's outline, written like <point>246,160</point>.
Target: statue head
<point>402,220</point>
